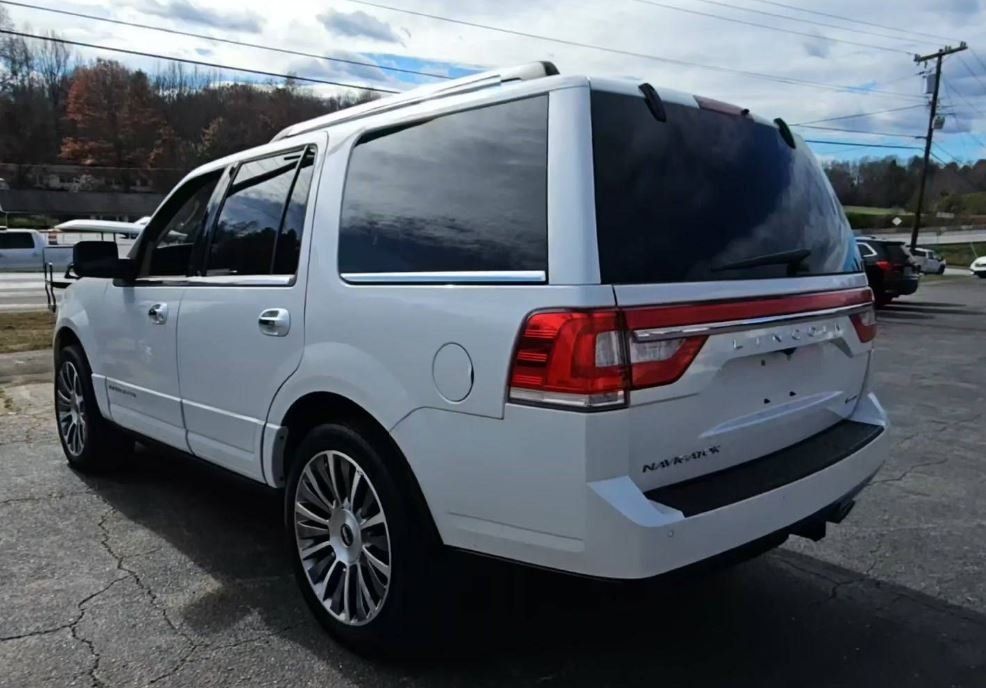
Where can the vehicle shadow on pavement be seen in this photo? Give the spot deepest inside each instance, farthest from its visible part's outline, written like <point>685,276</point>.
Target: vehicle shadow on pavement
<point>782,619</point>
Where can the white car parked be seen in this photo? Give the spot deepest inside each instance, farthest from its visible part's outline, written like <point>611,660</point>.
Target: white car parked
<point>27,250</point>
<point>978,267</point>
<point>547,318</point>
<point>929,261</point>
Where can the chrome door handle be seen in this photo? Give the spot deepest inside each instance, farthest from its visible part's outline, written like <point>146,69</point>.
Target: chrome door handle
<point>158,313</point>
<point>275,322</point>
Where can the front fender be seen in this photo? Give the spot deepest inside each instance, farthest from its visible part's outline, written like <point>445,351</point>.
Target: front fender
<point>75,316</point>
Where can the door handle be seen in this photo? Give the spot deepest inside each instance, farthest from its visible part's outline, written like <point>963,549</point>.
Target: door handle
<point>158,313</point>
<point>275,322</point>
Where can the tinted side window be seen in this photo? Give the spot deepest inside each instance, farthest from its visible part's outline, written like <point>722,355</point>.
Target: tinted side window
<point>246,231</point>
<point>288,246</point>
<point>462,192</point>
<point>184,217</point>
<point>16,240</point>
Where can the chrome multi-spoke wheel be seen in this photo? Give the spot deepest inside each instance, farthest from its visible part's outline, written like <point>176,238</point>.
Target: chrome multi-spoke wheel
<point>342,537</point>
<point>71,408</point>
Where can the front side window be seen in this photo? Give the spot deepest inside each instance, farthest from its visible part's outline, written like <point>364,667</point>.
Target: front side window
<point>258,231</point>
<point>460,192</point>
<point>183,219</point>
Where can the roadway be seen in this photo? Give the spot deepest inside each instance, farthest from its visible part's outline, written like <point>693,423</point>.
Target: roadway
<point>935,235</point>
<point>22,291</point>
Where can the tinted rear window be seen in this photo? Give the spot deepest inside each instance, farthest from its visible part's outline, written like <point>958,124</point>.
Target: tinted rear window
<point>896,252</point>
<point>679,201</point>
<point>461,192</point>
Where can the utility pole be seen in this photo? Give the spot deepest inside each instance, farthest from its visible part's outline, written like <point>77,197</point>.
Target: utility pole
<point>937,56</point>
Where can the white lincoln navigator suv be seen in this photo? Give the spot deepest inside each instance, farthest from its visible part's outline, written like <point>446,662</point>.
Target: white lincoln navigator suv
<point>583,324</point>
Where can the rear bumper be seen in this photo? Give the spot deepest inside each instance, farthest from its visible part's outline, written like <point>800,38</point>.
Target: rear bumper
<point>549,502</point>
<point>901,286</point>
<point>655,538</point>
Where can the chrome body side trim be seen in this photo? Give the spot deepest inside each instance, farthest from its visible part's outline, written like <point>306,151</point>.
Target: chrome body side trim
<point>447,277</point>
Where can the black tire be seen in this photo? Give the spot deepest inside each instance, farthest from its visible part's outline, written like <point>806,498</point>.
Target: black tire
<point>100,445</point>
<point>941,270</point>
<point>981,275</point>
<point>408,617</point>
<point>883,300</point>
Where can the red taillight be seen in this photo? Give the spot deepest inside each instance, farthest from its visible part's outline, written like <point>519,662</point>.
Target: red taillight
<point>663,361</point>
<point>884,265</point>
<point>593,358</point>
<point>865,324</point>
<point>570,358</point>
<point>579,358</point>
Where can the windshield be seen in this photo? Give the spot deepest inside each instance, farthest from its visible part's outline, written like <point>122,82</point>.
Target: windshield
<point>709,196</point>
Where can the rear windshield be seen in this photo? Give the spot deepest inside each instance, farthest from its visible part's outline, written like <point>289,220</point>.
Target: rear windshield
<point>895,252</point>
<point>709,196</point>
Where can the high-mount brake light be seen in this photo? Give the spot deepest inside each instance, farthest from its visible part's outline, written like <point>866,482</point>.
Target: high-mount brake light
<point>593,359</point>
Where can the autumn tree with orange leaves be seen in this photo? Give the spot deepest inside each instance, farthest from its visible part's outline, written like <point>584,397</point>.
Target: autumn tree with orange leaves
<point>113,117</point>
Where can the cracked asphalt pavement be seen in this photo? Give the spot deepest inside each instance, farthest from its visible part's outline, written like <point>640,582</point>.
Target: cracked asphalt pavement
<point>171,573</point>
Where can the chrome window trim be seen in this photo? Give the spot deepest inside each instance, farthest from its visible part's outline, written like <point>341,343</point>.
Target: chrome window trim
<point>241,280</point>
<point>448,277</point>
<point>657,334</point>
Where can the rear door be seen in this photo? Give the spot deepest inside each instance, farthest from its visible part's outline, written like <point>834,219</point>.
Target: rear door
<point>712,209</point>
<point>241,330</point>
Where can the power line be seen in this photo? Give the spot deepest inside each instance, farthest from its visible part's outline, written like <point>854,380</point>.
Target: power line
<point>630,53</point>
<point>862,145</point>
<point>966,67</point>
<point>229,41</point>
<point>788,17</point>
<point>861,114</point>
<point>943,150</point>
<point>978,59</point>
<point>954,91</point>
<point>853,20</point>
<point>859,131</point>
<point>772,28</point>
<point>200,63</point>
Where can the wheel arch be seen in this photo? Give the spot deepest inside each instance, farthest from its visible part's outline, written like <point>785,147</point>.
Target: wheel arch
<point>66,336</point>
<point>316,408</point>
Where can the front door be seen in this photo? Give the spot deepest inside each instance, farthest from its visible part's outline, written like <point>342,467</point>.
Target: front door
<point>137,322</point>
<point>17,251</point>
<point>241,330</point>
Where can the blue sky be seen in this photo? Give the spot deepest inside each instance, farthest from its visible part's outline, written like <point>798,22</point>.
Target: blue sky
<point>708,47</point>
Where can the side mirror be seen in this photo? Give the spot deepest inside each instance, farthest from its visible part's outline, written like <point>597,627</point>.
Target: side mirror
<point>101,259</point>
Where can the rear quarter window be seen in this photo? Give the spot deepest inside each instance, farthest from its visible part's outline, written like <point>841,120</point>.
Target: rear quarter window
<point>680,200</point>
<point>461,192</point>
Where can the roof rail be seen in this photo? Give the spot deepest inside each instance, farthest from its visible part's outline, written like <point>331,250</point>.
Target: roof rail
<point>472,82</point>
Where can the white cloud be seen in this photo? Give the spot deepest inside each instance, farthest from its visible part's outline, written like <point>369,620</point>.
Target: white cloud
<point>623,24</point>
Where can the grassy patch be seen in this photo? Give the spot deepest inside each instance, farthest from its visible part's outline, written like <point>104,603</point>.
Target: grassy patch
<point>960,255</point>
<point>25,331</point>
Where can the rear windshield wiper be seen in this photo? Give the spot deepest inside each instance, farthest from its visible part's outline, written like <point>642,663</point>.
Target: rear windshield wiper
<point>792,259</point>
